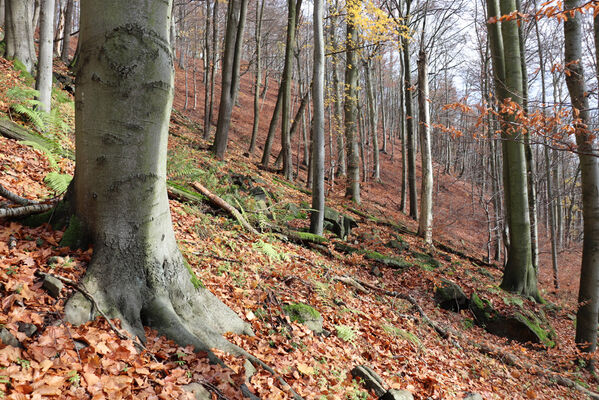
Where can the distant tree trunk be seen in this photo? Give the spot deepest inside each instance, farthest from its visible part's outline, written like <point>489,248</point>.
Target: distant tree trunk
<point>350,107</point>
<point>425,226</point>
<point>317,214</point>
<point>588,295</point>
<point>299,114</point>
<point>230,72</point>
<point>215,58</point>
<point>258,36</point>
<point>59,28</point>
<point>270,137</point>
<point>410,143</point>
<point>519,275</point>
<point>2,9</point>
<point>404,144</point>
<point>68,29</point>
<point>337,116</point>
<point>292,9</point>
<point>35,13</point>
<point>208,59</point>
<point>44,71</point>
<point>173,30</point>
<point>18,33</point>
<point>373,118</point>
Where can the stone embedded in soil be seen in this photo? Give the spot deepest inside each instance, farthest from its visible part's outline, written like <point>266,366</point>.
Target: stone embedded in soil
<point>370,379</point>
<point>450,296</point>
<point>52,285</point>
<point>394,394</point>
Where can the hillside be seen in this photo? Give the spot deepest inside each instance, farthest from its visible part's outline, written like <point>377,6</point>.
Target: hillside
<point>375,291</point>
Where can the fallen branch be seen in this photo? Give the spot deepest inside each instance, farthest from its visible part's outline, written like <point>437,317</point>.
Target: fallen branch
<point>225,206</point>
<point>25,210</point>
<point>486,349</point>
<point>15,198</point>
<point>180,195</point>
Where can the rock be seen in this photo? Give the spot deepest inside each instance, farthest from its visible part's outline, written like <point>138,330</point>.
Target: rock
<point>376,271</point>
<point>394,394</point>
<point>27,329</point>
<point>8,339</point>
<point>259,194</point>
<point>305,314</point>
<point>341,225</point>
<point>522,325</point>
<point>450,296</point>
<point>198,391</point>
<point>370,379</point>
<point>397,244</point>
<point>79,345</point>
<point>426,261</point>
<point>52,285</point>
<point>472,396</point>
<point>366,237</point>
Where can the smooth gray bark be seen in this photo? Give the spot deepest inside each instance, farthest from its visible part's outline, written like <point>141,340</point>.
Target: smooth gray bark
<point>2,9</point>
<point>19,33</point>
<point>588,295</point>
<point>351,111</point>
<point>68,29</point>
<point>373,118</point>
<point>317,214</point>
<point>44,71</point>
<point>137,273</point>
<point>257,81</point>
<point>337,93</point>
<point>425,224</point>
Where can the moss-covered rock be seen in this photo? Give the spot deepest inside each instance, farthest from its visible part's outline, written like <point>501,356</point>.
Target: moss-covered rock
<point>340,224</point>
<point>521,325</point>
<point>398,244</point>
<point>450,296</point>
<point>304,314</point>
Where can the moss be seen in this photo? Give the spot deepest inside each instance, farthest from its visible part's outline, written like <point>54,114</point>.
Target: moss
<point>57,217</point>
<point>19,66</point>
<point>75,236</point>
<point>481,308</point>
<point>310,237</point>
<point>300,312</point>
<point>2,48</point>
<point>197,283</point>
<point>546,336</point>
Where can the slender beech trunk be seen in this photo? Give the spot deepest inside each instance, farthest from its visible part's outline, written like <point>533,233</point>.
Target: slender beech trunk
<point>18,33</point>
<point>208,61</point>
<point>425,226</point>
<point>317,214</point>
<point>410,142</point>
<point>2,14</point>
<point>337,93</point>
<point>213,66</point>
<point>230,73</point>
<point>350,107</point>
<point>373,118</point>
<point>588,295</point>
<point>404,144</point>
<point>136,273</point>
<point>293,6</point>
<point>519,275</point>
<point>68,29</point>
<point>258,36</point>
<point>44,71</point>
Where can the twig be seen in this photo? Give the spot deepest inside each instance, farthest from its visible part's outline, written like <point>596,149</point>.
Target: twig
<point>25,210</point>
<point>225,206</point>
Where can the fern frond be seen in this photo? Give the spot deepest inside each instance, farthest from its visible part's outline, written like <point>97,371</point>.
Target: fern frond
<point>345,333</point>
<point>47,152</point>
<point>20,93</point>
<point>36,117</point>
<point>58,182</point>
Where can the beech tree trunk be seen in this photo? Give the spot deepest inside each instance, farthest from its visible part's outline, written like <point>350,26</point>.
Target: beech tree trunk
<point>588,295</point>
<point>337,93</point>
<point>18,33</point>
<point>68,29</point>
<point>425,225</point>
<point>409,137</point>
<point>44,70</point>
<point>317,214</point>
<point>230,73</point>
<point>373,118</point>
<point>2,9</point>
<point>137,273</point>
<point>351,108</point>
<point>257,81</point>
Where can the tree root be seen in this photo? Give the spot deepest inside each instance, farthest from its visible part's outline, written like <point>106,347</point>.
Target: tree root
<point>225,206</point>
<point>486,349</point>
<point>25,210</point>
<point>15,198</point>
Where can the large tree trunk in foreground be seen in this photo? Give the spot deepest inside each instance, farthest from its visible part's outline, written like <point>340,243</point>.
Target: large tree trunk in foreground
<point>44,71</point>
<point>588,295</point>
<point>18,33</point>
<point>119,194</point>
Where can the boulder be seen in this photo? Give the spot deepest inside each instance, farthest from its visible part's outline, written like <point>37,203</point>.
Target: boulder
<point>340,224</point>
<point>370,379</point>
<point>450,296</point>
<point>52,285</point>
<point>521,325</point>
<point>304,314</point>
<point>397,244</point>
<point>27,329</point>
<point>8,339</point>
<point>394,394</point>
<point>198,391</point>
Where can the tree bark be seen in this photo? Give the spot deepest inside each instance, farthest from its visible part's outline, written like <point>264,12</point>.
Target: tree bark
<point>410,142</point>
<point>2,14</point>
<point>258,36</point>
<point>337,93</point>
<point>351,107</point>
<point>44,71</point>
<point>18,33</point>
<point>317,214</point>
<point>425,225</point>
<point>137,273</point>
<point>373,118</point>
<point>588,295</point>
<point>230,73</point>
<point>68,29</point>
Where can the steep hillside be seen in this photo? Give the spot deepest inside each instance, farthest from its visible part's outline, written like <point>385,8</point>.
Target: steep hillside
<point>318,307</point>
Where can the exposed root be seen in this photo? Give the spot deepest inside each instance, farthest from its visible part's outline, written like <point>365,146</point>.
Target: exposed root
<point>25,210</point>
<point>15,198</point>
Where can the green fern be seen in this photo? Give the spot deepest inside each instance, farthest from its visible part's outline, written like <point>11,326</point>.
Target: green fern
<point>33,115</point>
<point>345,333</point>
<point>58,182</point>
<point>47,152</point>
<point>269,250</point>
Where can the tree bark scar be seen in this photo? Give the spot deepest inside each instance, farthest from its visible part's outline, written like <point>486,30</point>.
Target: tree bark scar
<point>132,180</point>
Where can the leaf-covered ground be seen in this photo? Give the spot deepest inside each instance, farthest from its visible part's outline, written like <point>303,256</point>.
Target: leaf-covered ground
<point>256,277</point>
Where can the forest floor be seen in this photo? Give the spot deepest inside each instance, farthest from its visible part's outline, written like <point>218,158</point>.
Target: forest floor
<point>260,276</point>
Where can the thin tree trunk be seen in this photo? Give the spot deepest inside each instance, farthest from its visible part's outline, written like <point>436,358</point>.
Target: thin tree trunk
<point>68,29</point>
<point>213,66</point>
<point>44,73</point>
<point>337,115</point>
<point>373,118</point>
<point>410,143</point>
<point>258,36</point>
<point>425,226</point>
<point>317,214</point>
